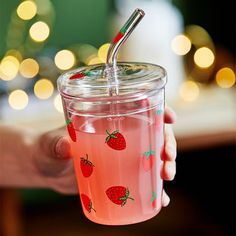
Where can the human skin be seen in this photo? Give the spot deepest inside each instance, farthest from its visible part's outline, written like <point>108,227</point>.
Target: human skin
<point>29,159</point>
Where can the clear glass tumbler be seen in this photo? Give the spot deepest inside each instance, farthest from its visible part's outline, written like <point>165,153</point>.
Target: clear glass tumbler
<point>116,132</point>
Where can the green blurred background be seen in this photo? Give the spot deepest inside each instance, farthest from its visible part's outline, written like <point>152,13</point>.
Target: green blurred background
<point>76,21</point>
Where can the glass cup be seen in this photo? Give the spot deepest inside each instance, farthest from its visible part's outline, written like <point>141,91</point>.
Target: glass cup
<point>116,132</point>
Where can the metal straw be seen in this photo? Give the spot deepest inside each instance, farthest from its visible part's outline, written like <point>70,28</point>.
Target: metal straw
<point>120,38</point>
<point>122,35</point>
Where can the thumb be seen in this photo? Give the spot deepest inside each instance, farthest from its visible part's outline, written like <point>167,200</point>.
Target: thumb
<point>53,153</point>
<point>55,145</point>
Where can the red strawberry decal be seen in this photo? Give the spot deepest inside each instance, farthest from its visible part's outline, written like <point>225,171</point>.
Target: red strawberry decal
<point>71,130</point>
<point>115,140</point>
<point>148,160</point>
<point>87,203</point>
<point>159,117</point>
<point>86,166</point>
<point>154,200</point>
<point>77,76</point>
<point>118,195</point>
<point>80,75</point>
<point>117,37</point>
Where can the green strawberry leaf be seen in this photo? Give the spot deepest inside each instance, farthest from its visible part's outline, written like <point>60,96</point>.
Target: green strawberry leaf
<point>107,139</point>
<point>154,195</point>
<point>68,121</point>
<point>123,29</point>
<point>123,203</point>
<point>152,152</point>
<point>126,192</point>
<point>122,198</point>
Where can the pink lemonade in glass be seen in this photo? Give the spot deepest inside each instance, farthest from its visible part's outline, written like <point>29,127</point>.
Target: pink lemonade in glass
<point>116,135</point>
<point>117,163</point>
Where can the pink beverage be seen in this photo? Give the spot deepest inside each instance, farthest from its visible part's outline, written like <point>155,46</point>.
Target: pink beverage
<point>107,171</point>
<point>117,139</point>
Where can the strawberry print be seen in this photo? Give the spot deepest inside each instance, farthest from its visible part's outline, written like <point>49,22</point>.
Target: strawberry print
<point>87,203</point>
<point>119,35</point>
<point>86,166</point>
<point>148,160</point>
<point>80,75</point>
<point>159,117</point>
<point>154,200</point>
<point>115,140</point>
<point>159,112</point>
<point>71,130</point>
<point>118,195</point>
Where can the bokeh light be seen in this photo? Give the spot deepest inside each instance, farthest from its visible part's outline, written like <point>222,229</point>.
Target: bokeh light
<point>189,91</point>
<point>102,52</point>
<point>14,53</point>
<point>204,57</point>
<point>198,36</point>
<point>29,68</point>
<point>85,52</point>
<point>225,78</point>
<point>18,99</point>
<point>43,7</point>
<point>43,89</point>
<point>181,44</point>
<point>26,10</point>
<point>64,59</point>
<point>9,67</point>
<point>94,60</point>
<point>58,103</point>
<point>39,31</point>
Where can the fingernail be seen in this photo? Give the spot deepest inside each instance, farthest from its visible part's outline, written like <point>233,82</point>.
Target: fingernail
<point>165,199</point>
<point>63,149</point>
<point>170,170</point>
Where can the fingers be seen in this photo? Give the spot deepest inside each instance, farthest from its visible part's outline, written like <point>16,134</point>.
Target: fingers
<point>55,145</point>
<point>168,170</point>
<point>169,152</point>
<point>52,154</point>
<point>62,149</point>
<point>169,155</point>
<point>165,199</point>
<point>170,147</point>
<point>169,115</point>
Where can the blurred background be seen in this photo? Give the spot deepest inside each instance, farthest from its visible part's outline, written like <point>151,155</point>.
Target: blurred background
<point>194,40</point>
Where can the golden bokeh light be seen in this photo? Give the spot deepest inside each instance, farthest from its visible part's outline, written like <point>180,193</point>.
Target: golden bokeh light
<point>204,57</point>
<point>18,99</point>
<point>43,89</point>
<point>189,91</point>
<point>64,59</point>
<point>198,35</point>
<point>102,52</point>
<point>181,44</point>
<point>14,53</point>
<point>43,7</point>
<point>225,78</point>
<point>9,67</point>
<point>26,10</point>
<point>29,68</point>
<point>39,31</point>
<point>94,60</point>
<point>58,103</point>
<point>85,52</point>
